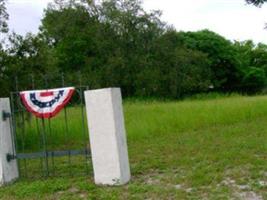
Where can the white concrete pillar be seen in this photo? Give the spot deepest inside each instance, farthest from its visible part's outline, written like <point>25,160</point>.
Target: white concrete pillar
<point>8,170</point>
<point>107,136</point>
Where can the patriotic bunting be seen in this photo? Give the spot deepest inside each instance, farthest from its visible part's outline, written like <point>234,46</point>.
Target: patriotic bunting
<point>46,103</point>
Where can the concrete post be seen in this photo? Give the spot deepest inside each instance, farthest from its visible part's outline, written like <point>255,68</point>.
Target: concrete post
<point>8,170</point>
<point>107,136</point>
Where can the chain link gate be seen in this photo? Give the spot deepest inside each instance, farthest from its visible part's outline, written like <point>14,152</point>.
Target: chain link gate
<point>51,147</point>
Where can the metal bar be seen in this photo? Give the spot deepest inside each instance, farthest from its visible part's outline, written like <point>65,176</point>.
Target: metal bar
<point>49,141</point>
<point>53,163</point>
<point>45,147</point>
<point>82,86</point>
<point>40,141</point>
<point>12,137</point>
<point>84,130</point>
<point>23,142</point>
<point>14,128</point>
<point>69,161</point>
<point>37,126</point>
<point>66,124</point>
<point>42,154</point>
<point>66,134</point>
<point>19,110</point>
<point>49,129</point>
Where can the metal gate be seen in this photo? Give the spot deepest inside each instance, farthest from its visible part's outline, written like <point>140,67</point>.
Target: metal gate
<point>50,147</point>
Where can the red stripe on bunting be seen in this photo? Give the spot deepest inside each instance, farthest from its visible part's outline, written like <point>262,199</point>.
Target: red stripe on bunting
<point>46,94</point>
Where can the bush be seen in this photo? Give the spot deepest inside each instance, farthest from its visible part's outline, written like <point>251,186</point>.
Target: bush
<point>254,80</point>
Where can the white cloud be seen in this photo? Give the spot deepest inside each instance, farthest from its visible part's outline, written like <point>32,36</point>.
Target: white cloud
<point>25,15</point>
<point>231,18</point>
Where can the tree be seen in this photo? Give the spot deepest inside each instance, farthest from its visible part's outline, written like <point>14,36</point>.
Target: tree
<point>117,43</point>
<point>23,57</point>
<point>173,70</point>
<point>254,80</point>
<point>224,71</point>
<point>3,17</point>
<point>109,42</point>
<point>256,2</point>
<point>71,31</point>
<point>252,63</point>
<point>4,79</point>
<point>135,34</point>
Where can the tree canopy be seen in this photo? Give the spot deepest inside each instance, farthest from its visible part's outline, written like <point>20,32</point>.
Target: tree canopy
<point>3,17</point>
<point>117,43</point>
<point>256,2</point>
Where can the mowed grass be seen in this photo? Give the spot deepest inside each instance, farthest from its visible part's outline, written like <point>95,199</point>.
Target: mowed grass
<point>192,149</point>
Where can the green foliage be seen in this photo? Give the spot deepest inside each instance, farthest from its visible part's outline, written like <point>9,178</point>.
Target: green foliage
<point>117,43</point>
<point>252,65</point>
<point>3,17</point>
<point>221,55</point>
<point>122,45</point>
<point>254,79</point>
<point>256,2</point>
<point>187,70</point>
<point>4,78</point>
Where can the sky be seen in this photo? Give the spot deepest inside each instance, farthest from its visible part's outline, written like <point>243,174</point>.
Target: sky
<point>233,19</point>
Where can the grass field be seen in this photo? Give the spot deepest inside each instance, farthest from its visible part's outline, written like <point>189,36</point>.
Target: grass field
<point>192,149</point>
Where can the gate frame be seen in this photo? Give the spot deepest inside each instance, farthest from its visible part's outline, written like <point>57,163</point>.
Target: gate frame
<point>8,169</point>
<point>105,120</point>
<point>45,153</point>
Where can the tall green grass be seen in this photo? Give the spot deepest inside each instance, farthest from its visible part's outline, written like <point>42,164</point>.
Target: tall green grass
<point>178,150</point>
<point>150,119</point>
<point>68,130</point>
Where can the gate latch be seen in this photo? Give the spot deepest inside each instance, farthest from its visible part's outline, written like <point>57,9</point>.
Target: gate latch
<point>10,157</point>
<point>5,115</point>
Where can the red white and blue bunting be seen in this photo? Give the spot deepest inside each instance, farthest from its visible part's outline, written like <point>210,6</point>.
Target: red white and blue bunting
<point>46,103</point>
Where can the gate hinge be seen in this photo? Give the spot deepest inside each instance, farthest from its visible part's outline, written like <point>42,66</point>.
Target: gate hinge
<point>10,157</point>
<point>5,115</point>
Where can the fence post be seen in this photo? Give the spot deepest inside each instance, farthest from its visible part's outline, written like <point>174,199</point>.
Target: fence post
<point>107,136</point>
<point>8,169</point>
